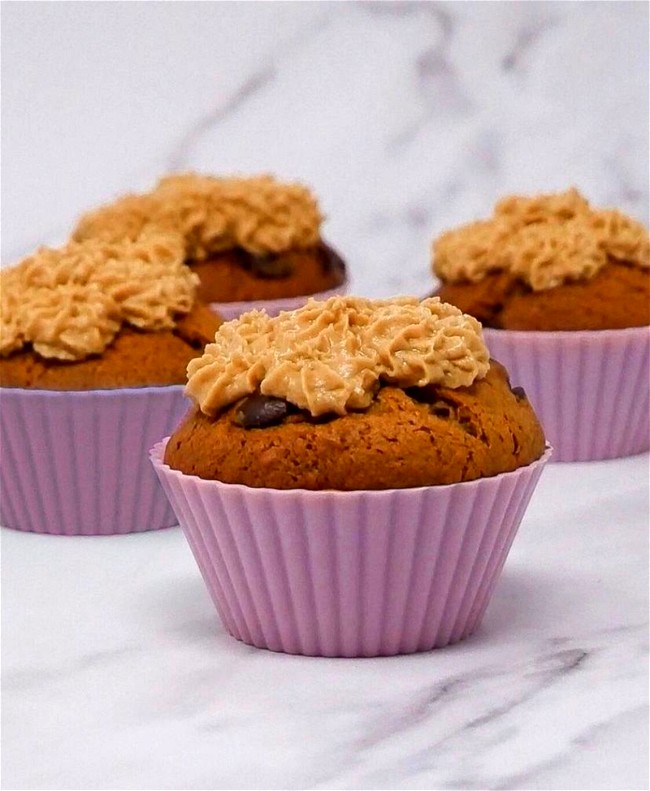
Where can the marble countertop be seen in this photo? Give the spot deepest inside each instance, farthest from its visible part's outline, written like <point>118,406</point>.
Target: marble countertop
<point>405,118</point>
<point>118,674</point>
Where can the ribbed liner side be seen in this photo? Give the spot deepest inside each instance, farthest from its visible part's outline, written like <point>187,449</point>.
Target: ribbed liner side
<point>492,518</point>
<point>379,538</point>
<point>350,573</point>
<point>203,540</point>
<point>590,390</point>
<point>74,463</point>
<point>501,550</point>
<point>23,501</point>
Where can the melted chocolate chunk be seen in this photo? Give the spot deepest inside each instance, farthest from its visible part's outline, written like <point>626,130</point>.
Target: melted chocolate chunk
<point>260,411</point>
<point>519,393</point>
<point>271,266</point>
<point>423,395</point>
<point>438,406</point>
<point>441,409</point>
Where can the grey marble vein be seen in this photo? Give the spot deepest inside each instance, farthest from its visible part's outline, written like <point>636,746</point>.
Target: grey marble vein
<point>527,37</point>
<point>248,89</point>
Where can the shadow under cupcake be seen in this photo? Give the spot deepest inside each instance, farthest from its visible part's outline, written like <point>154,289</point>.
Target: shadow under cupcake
<point>563,292</point>
<point>253,242</point>
<point>95,342</point>
<point>352,476</point>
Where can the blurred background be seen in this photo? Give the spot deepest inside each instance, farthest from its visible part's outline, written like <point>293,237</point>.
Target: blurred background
<point>405,118</point>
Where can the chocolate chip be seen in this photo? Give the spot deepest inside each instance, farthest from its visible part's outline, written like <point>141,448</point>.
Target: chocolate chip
<point>467,424</point>
<point>441,409</point>
<point>423,395</point>
<point>271,265</point>
<point>264,265</point>
<point>519,393</point>
<point>429,395</point>
<point>260,411</point>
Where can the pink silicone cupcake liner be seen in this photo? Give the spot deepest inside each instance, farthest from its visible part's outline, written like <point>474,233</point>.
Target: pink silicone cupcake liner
<point>75,463</point>
<point>589,389</point>
<point>350,573</point>
<point>231,310</point>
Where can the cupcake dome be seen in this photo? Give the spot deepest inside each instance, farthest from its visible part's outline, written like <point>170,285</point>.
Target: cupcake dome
<point>95,340</point>
<point>353,394</point>
<point>563,291</point>
<point>101,315</point>
<point>311,480</point>
<point>248,239</point>
<point>548,263</point>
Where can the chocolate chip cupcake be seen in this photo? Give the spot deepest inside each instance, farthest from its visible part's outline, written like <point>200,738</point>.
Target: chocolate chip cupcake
<point>95,338</point>
<point>346,458</point>
<point>563,292</point>
<point>253,242</point>
<point>548,263</point>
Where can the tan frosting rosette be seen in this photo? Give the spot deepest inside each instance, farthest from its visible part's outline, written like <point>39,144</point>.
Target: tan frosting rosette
<point>545,240</point>
<point>70,302</point>
<point>258,214</point>
<point>330,357</point>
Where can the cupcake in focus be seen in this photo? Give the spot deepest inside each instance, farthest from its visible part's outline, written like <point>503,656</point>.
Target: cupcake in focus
<point>563,292</point>
<point>352,475</point>
<point>94,341</point>
<point>253,242</point>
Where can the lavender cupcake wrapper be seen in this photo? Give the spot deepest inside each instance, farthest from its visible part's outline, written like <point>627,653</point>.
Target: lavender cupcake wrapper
<point>75,462</point>
<point>350,573</point>
<point>590,389</point>
<point>232,310</point>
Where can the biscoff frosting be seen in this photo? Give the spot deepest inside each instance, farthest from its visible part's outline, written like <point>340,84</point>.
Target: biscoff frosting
<point>70,322</point>
<point>546,255</point>
<point>544,240</point>
<point>258,214</point>
<point>521,210</point>
<point>70,302</point>
<point>126,218</point>
<point>330,357</point>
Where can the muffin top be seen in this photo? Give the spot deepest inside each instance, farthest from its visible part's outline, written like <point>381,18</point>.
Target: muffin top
<point>331,357</point>
<point>543,241</point>
<point>259,215</point>
<point>69,303</point>
<point>352,394</point>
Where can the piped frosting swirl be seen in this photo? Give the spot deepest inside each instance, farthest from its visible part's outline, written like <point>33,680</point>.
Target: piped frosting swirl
<point>258,214</point>
<point>545,240</point>
<point>70,302</point>
<point>330,357</point>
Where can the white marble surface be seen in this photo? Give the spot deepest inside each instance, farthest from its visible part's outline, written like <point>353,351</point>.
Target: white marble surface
<point>405,118</point>
<point>117,673</point>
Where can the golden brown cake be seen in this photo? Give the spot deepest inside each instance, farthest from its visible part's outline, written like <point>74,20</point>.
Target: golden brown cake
<point>246,238</point>
<point>96,315</point>
<point>550,262</point>
<point>353,394</point>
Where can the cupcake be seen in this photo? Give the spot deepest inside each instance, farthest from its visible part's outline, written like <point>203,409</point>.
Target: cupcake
<point>563,292</point>
<point>95,338</point>
<point>253,242</point>
<point>351,475</point>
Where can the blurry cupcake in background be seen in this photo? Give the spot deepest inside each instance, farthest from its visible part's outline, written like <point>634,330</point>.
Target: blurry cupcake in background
<point>253,242</point>
<point>352,475</point>
<point>563,292</point>
<point>95,338</point>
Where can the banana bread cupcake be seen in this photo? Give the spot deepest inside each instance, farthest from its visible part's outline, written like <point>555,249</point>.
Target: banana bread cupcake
<point>352,475</point>
<point>563,292</point>
<point>253,242</point>
<point>94,341</point>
